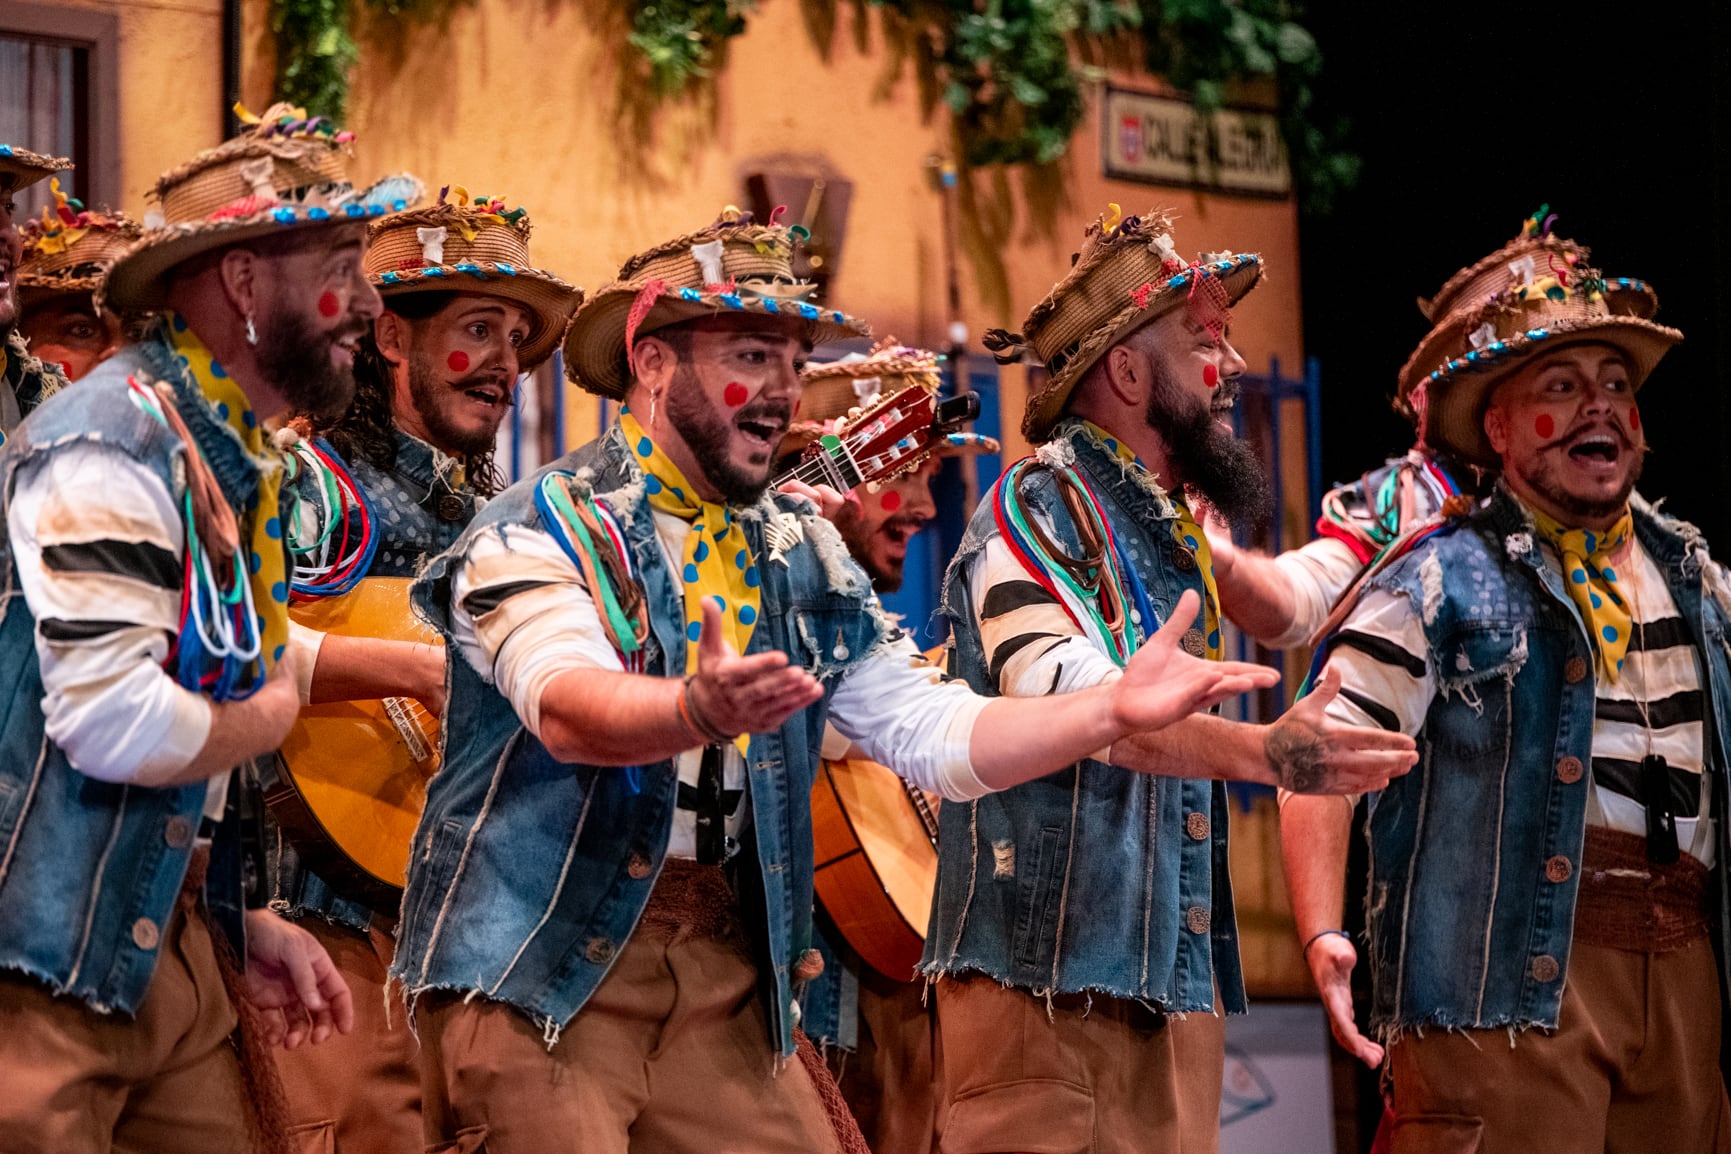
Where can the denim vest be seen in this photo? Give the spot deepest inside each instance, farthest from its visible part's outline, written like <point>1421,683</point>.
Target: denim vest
<point>30,379</point>
<point>418,517</point>
<point>1466,927</point>
<point>89,870</point>
<point>528,874</point>
<point>1092,878</point>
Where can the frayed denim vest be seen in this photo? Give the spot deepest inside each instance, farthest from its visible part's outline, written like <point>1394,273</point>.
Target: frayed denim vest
<point>1092,878</point>
<point>417,519</point>
<point>529,874</point>
<point>1467,928</point>
<point>89,870</point>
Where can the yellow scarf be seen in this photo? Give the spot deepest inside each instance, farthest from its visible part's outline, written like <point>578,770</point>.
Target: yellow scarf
<point>1591,582</point>
<point>717,561</point>
<point>1188,535</point>
<point>266,560</point>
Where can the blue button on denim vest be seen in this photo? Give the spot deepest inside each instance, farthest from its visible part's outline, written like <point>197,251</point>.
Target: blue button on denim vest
<point>519,886</point>
<point>1086,879</point>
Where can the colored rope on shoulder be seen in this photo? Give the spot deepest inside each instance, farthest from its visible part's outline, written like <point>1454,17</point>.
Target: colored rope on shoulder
<point>1078,585</point>
<point>321,570</point>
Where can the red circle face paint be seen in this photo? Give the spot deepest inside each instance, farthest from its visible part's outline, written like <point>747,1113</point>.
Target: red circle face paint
<point>458,360</point>
<point>1210,376</point>
<point>890,500</point>
<point>1635,417</point>
<point>328,304</point>
<point>734,394</point>
<point>1544,426</point>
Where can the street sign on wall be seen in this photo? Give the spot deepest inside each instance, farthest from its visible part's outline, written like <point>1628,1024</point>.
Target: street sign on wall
<point>1162,140</point>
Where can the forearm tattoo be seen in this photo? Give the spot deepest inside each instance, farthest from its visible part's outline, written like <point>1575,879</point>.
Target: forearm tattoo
<point>1296,755</point>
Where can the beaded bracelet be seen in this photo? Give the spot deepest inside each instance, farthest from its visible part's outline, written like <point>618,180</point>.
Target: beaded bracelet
<point>694,717</point>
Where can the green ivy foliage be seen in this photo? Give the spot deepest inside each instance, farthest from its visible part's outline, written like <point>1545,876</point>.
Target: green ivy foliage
<point>314,52</point>
<point>679,40</point>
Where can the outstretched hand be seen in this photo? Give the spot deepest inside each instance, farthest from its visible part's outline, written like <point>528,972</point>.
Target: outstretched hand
<point>1331,958</point>
<point>1309,752</point>
<point>746,694</point>
<point>1163,684</point>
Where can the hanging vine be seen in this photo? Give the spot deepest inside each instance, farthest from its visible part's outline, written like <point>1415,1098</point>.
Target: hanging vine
<point>315,47</point>
<point>1014,73</point>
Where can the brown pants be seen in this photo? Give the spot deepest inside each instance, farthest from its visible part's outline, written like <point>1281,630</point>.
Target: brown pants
<point>1632,1067</point>
<point>358,1093</point>
<point>671,1055</point>
<point>1112,1078</point>
<point>73,1081</point>
<point>891,1081</point>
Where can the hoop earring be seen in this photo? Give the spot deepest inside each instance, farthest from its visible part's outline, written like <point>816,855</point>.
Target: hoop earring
<point>251,333</point>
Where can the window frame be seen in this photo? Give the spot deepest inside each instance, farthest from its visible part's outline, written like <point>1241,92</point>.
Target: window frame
<point>98,34</point>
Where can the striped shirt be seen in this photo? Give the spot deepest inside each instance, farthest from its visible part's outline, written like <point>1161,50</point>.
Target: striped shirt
<point>1032,645</point>
<point>98,540</point>
<point>522,615</point>
<point>1657,704</point>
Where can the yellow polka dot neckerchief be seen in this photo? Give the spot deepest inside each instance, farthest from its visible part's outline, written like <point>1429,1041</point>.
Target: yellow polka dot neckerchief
<point>717,561</point>
<point>1592,584</point>
<point>266,560</point>
<point>1187,533</point>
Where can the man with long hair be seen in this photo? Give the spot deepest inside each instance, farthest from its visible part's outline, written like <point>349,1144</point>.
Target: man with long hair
<point>434,378</point>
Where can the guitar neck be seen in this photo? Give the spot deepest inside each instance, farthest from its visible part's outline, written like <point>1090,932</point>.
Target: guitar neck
<point>834,465</point>
<point>917,796</point>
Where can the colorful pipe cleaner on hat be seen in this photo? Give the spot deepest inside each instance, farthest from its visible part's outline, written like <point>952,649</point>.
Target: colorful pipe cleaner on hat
<point>266,559</point>
<point>1591,582</point>
<point>1188,534</point>
<point>717,560</point>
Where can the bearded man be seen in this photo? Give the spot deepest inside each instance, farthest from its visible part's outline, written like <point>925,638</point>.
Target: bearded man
<point>611,896</point>
<point>434,378</point>
<point>66,253</point>
<point>1546,888</point>
<point>150,658</point>
<point>1088,914</point>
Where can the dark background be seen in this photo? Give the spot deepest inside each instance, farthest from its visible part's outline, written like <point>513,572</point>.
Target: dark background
<point>1468,116</point>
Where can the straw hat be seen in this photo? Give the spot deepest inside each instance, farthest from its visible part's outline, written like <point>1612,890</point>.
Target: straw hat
<point>21,168</point>
<point>1128,274</point>
<point>471,247</point>
<point>732,266</point>
<point>1535,294</point>
<point>284,171</point>
<point>69,248</point>
<point>833,390</point>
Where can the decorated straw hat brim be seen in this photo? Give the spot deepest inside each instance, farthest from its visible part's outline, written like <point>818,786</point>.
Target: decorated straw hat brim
<point>138,278</point>
<point>33,288</point>
<point>595,353</point>
<point>1239,273</point>
<point>1458,392</point>
<point>550,299</point>
<point>26,167</point>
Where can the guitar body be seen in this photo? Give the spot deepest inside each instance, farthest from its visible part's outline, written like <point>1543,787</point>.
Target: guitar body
<point>352,775</point>
<point>877,861</point>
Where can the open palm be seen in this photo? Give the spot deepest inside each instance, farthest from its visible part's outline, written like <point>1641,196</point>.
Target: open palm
<point>1163,684</point>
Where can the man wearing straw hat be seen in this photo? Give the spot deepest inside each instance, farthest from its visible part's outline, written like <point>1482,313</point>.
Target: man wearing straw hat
<point>877,1029</point>
<point>26,380</point>
<point>1088,914</point>
<point>149,658</point>
<point>465,314</point>
<point>610,901</point>
<point>1546,888</point>
<point>66,253</point>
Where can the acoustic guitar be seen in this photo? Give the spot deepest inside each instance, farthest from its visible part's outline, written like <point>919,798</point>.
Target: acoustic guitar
<point>876,841</point>
<point>352,776</point>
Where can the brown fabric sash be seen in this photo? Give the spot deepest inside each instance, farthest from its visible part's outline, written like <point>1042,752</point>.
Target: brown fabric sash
<point>1628,902</point>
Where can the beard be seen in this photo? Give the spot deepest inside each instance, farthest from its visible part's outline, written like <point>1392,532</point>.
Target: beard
<point>709,435</point>
<point>1541,480</point>
<point>428,394</point>
<point>858,536</point>
<point>1219,466</point>
<point>296,359</point>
